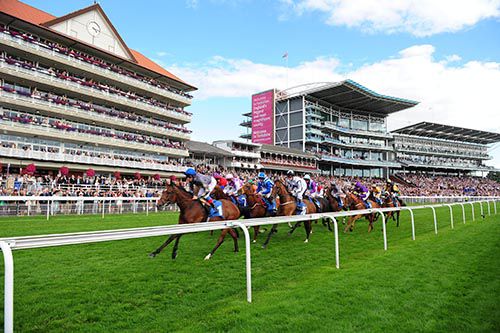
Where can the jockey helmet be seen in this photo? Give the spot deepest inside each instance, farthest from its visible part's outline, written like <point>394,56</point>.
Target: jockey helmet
<point>389,181</point>
<point>307,177</point>
<point>216,175</point>
<point>262,175</point>
<point>190,172</point>
<point>290,173</point>
<point>358,184</point>
<point>229,176</point>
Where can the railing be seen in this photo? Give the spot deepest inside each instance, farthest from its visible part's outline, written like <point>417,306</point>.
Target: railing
<point>442,153</point>
<point>94,93</point>
<point>79,64</point>
<point>79,137</point>
<point>359,161</point>
<point>12,243</point>
<point>333,126</point>
<point>64,110</point>
<point>63,157</point>
<point>444,199</point>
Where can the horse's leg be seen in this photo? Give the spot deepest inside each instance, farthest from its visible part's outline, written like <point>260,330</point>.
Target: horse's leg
<point>294,227</point>
<point>255,233</point>
<point>397,218</point>
<point>308,227</point>
<point>164,245</point>
<point>273,230</point>
<point>349,222</point>
<point>235,236</point>
<point>219,242</point>
<point>176,246</point>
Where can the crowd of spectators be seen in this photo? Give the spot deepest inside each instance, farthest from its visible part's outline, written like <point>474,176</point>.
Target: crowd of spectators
<point>88,59</point>
<point>436,160</point>
<point>63,125</point>
<point>85,82</point>
<point>287,161</point>
<point>441,148</point>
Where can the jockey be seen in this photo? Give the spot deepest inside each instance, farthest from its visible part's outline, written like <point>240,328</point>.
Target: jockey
<point>233,185</point>
<point>362,192</point>
<point>221,181</point>
<point>312,191</point>
<point>377,194</point>
<point>264,188</point>
<point>337,193</point>
<point>205,184</point>
<point>297,187</point>
<point>393,191</point>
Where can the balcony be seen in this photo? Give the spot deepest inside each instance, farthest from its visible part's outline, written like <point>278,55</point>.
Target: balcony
<point>247,136</point>
<point>51,133</point>
<point>66,112</point>
<point>247,123</point>
<point>247,154</point>
<point>51,55</point>
<point>92,94</point>
<point>334,127</point>
<point>353,161</point>
<point>314,131</point>
<point>436,153</point>
<point>440,165</point>
<point>314,139</point>
<point>245,165</point>
<point>68,158</point>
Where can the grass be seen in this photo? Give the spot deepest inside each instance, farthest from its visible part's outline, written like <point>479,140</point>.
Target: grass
<point>444,282</point>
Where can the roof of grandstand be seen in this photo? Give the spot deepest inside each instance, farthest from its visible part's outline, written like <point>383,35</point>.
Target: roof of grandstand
<point>205,148</point>
<point>446,132</point>
<point>285,151</point>
<point>352,95</point>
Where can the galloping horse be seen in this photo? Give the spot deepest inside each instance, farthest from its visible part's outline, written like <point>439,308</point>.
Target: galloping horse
<point>256,206</point>
<point>389,203</point>
<point>288,207</point>
<point>193,211</point>
<point>355,203</point>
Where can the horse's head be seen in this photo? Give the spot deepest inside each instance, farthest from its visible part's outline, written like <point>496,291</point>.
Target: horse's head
<point>279,189</point>
<point>168,196</point>
<point>247,189</point>
<point>218,193</point>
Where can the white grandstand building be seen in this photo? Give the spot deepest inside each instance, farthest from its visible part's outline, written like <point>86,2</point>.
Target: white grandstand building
<point>73,94</point>
<point>435,148</point>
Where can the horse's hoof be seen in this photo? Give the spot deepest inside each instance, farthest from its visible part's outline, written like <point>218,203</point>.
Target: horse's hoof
<point>311,231</point>
<point>152,255</point>
<point>208,256</point>
<point>306,241</point>
<point>264,247</point>
<point>254,241</point>
<point>174,256</point>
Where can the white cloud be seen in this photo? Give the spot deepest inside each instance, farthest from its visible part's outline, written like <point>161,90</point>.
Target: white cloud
<point>192,4</point>
<point>460,94</point>
<point>418,17</point>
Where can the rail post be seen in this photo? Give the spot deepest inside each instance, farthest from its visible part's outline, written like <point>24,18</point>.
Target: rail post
<point>383,227</point>
<point>463,211</point>
<point>247,258</point>
<point>48,209</point>
<point>495,205</point>
<point>336,235</point>
<point>489,209</point>
<point>102,208</point>
<point>435,219</point>
<point>412,221</point>
<point>481,206</point>
<point>9,288</point>
<point>451,215</point>
<point>472,210</point>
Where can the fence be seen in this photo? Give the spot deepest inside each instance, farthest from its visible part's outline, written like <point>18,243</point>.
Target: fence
<point>443,199</point>
<point>9,244</point>
<point>55,205</point>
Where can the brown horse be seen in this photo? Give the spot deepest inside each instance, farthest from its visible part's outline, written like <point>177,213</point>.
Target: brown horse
<point>256,207</point>
<point>288,207</point>
<point>334,205</point>
<point>389,203</point>
<point>355,203</point>
<point>193,211</point>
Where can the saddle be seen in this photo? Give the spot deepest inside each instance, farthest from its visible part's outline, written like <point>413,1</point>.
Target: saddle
<point>212,211</point>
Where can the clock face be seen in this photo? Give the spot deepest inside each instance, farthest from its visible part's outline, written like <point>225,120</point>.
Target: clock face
<point>93,28</point>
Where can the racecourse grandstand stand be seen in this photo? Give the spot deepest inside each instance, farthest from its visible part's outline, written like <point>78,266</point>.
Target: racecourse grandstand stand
<point>436,148</point>
<point>74,95</point>
<point>343,123</point>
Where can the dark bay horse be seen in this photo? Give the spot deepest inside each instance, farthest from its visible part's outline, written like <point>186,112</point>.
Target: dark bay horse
<point>288,207</point>
<point>193,211</point>
<point>389,203</point>
<point>355,203</point>
<point>256,207</point>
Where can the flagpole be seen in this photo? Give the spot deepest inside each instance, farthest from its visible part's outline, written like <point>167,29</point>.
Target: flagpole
<point>287,70</point>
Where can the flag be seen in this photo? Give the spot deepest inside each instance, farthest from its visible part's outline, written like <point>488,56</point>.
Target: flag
<point>285,55</point>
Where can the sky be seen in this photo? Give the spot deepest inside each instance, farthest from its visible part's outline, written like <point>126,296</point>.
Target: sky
<point>443,53</point>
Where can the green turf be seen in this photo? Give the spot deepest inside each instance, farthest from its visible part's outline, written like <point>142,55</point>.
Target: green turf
<point>444,282</point>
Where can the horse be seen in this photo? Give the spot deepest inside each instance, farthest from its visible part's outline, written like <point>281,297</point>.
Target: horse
<point>256,207</point>
<point>355,203</point>
<point>389,203</point>
<point>288,207</point>
<point>193,211</point>
<point>334,205</point>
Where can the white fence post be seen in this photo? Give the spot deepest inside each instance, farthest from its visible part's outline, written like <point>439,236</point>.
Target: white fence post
<point>463,211</point>
<point>48,209</point>
<point>336,235</point>
<point>489,209</point>
<point>383,227</point>
<point>472,210</point>
<point>435,219</point>
<point>247,257</point>
<point>451,215</point>
<point>412,221</point>
<point>9,288</point>
<point>481,205</point>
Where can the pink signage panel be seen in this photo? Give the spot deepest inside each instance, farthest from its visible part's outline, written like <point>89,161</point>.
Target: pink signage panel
<point>263,117</point>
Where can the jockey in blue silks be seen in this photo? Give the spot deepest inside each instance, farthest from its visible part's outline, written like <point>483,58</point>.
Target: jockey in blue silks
<point>264,188</point>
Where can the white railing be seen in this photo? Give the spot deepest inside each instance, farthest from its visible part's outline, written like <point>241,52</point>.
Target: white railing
<point>79,64</point>
<point>64,110</point>
<point>79,205</point>
<point>445,199</point>
<point>91,92</point>
<point>62,157</point>
<point>12,243</point>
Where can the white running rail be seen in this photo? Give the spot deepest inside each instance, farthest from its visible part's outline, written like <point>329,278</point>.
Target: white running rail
<point>16,243</point>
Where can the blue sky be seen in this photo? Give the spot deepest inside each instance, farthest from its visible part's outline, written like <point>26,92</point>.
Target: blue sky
<point>444,53</point>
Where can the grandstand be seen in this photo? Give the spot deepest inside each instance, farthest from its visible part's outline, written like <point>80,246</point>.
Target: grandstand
<point>344,124</point>
<point>429,147</point>
<point>74,94</point>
